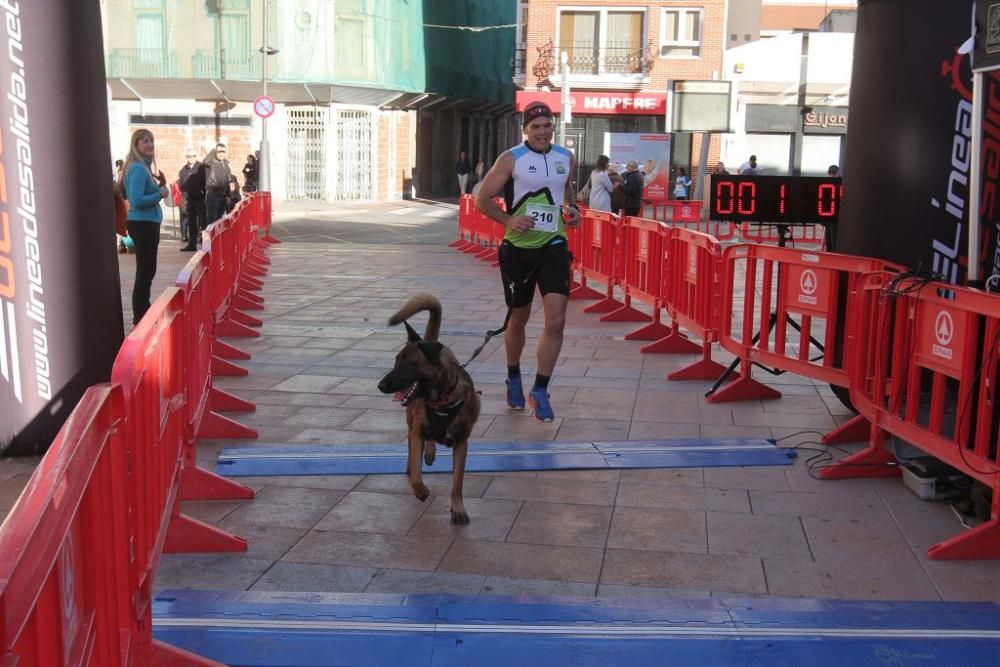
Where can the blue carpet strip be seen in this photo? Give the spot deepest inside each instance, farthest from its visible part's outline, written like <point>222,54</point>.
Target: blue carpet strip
<point>503,457</point>
<point>316,629</point>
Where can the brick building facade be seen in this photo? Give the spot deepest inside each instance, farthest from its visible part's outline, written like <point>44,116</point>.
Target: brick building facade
<point>621,50</point>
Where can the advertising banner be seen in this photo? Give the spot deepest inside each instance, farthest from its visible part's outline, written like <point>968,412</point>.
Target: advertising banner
<point>651,151</point>
<point>60,303</point>
<point>908,153</point>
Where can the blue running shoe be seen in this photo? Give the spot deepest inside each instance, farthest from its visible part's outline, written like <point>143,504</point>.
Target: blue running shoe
<point>515,394</point>
<point>539,400</point>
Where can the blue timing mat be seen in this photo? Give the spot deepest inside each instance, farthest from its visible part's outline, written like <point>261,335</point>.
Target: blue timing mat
<point>503,457</point>
<point>317,629</point>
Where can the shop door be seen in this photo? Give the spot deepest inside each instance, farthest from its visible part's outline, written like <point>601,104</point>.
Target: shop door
<point>355,156</point>
<point>575,143</point>
<point>306,173</point>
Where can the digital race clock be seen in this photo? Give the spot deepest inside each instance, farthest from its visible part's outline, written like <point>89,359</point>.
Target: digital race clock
<point>787,199</point>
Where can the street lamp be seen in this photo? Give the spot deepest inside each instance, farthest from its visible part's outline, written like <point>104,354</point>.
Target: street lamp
<point>264,163</point>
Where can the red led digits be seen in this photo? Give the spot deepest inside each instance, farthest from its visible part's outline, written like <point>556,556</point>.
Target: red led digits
<point>826,200</point>
<point>781,199</point>
<point>746,186</point>
<point>724,185</point>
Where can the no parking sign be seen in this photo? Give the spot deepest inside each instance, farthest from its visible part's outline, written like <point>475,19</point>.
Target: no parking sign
<point>263,106</point>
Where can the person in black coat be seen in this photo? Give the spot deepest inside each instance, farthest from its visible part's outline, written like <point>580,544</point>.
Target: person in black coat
<point>632,186</point>
<point>194,192</point>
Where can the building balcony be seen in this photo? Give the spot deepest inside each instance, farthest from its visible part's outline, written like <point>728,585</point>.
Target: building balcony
<point>226,64</point>
<point>142,64</point>
<point>615,58</point>
<point>518,63</point>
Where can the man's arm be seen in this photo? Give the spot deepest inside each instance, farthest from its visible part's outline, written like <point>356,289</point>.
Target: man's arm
<point>493,183</point>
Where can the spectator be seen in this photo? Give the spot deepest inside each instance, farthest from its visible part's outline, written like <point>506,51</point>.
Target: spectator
<point>601,186</point>
<point>144,191</point>
<point>681,184</point>
<point>750,167</point>
<point>233,198</point>
<point>632,185</point>
<point>217,177</point>
<point>833,170</point>
<point>182,177</point>
<point>251,173</point>
<point>720,169</point>
<point>480,169</point>
<point>462,168</point>
<point>194,192</point>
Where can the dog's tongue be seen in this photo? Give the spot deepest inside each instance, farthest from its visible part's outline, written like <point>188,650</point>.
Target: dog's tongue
<point>400,395</point>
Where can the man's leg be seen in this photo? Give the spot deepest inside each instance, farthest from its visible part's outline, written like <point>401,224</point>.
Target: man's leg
<point>551,341</point>
<point>514,344</point>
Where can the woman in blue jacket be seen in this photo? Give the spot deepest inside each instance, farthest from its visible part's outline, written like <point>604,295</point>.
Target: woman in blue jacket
<point>143,192</point>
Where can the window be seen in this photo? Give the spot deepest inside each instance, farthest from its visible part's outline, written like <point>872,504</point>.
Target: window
<point>602,41</point>
<point>680,33</point>
<point>150,26</point>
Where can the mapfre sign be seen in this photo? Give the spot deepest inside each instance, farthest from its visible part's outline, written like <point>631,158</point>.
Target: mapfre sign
<point>594,103</point>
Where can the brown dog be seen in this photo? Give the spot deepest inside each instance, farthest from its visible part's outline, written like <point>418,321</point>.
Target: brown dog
<point>441,402</point>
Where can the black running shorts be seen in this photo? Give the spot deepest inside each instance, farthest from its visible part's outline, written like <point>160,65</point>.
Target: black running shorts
<point>523,268</point>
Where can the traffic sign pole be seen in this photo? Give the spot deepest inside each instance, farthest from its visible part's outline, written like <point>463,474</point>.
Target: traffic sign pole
<point>264,162</point>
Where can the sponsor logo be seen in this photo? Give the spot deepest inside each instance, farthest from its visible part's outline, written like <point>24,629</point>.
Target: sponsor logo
<point>560,168</point>
<point>808,283</point>
<point>944,331</point>
<point>993,28</point>
<point>531,169</point>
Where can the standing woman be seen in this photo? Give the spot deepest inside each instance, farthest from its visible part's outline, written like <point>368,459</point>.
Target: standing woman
<point>143,192</point>
<point>601,186</point>
<point>682,184</point>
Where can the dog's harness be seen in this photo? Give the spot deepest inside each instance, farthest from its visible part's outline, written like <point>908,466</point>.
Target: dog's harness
<point>440,415</point>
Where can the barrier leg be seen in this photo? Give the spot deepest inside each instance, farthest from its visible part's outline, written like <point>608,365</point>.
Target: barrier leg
<point>238,315</point>
<point>200,484</point>
<point>872,461</point>
<point>979,543</point>
<point>580,290</point>
<point>227,351</point>
<point>228,327</point>
<point>250,284</point>
<point>705,368</point>
<point>223,401</point>
<point>190,536</point>
<point>223,368</point>
<point>267,238</point>
<point>627,313</point>
<point>243,303</point>
<point>674,343</point>
<point>249,296</point>
<point>250,269</point>
<point>744,388</point>
<point>652,331</point>
<point>216,427</point>
<point>607,304</point>
<point>856,429</point>
<point>165,655</point>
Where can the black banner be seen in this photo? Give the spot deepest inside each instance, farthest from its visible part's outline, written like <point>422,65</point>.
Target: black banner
<point>60,304</point>
<point>909,142</point>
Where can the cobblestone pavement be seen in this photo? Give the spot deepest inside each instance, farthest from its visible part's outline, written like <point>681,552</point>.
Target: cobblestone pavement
<point>692,532</point>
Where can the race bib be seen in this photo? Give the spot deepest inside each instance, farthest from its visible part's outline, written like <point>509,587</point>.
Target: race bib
<point>546,217</point>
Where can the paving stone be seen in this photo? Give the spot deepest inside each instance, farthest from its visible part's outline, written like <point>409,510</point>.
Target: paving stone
<point>682,476</point>
<point>653,430</point>
<point>319,384</point>
<point>733,574</point>
<point>488,519</point>
<point>325,436</point>
<point>292,507</point>
<point>551,490</point>
<point>658,530</point>
<point>649,592</point>
<point>757,535</point>
<point>593,429</point>
<point>714,431</point>
<point>210,511</point>
<point>209,571</point>
<point>340,482</point>
<point>266,542</point>
<point>535,587</point>
<point>561,524</point>
<point>308,578</point>
<point>409,582</point>
<point>763,477</point>
<point>851,539</point>
<point>365,512</point>
<point>523,561</point>
<point>867,579</point>
<point>667,496</point>
<point>439,484</point>
<point>369,550</point>
<point>322,417</point>
<point>822,505</point>
<point>521,426</point>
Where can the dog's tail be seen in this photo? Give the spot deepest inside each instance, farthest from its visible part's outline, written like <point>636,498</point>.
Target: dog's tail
<point>417,303</point>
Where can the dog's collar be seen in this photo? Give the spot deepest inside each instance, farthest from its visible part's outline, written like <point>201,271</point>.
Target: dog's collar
<point>445,404</point>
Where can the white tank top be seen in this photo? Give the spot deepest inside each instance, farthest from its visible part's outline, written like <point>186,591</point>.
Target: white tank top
<point>538,178</point>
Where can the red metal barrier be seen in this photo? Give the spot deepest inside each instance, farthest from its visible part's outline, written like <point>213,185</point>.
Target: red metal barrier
<point>806,285</point>
<point>600,246</point>
<point>263,200</point>
<point>926,370</point>
<point>640,274</point>
<point>682,214</point>
<point>223,242</point>
<point>803,236</point>
<point>67,572</point>
<point>466,211</point>
<point>691,288</point>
